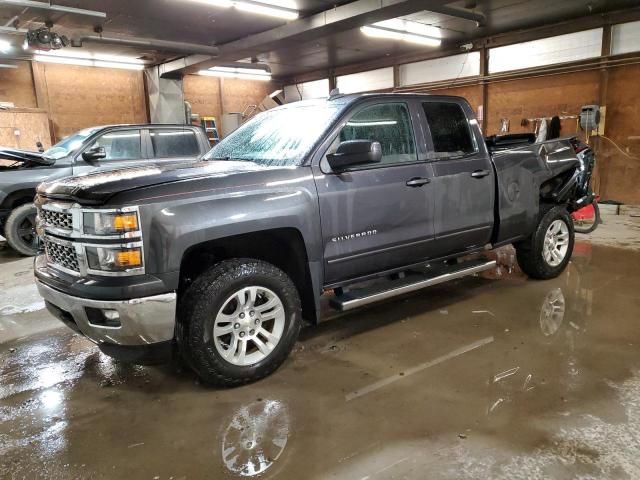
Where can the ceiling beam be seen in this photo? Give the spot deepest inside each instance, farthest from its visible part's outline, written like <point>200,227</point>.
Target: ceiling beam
<point>346,17</point>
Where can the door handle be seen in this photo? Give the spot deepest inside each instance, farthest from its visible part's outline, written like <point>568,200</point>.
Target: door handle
<point>417,182</point>
<point>480,173</point>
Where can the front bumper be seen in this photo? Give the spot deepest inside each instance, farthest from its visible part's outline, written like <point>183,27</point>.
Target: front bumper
<point>142,321</point>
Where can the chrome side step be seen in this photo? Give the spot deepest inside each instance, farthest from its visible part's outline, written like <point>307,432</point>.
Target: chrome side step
<point>365,296</point>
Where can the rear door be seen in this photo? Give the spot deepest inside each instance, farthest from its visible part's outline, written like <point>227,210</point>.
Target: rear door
<point>173,144</point>
<point>376,216</point>
<point>463,178</point>
<point>123,148</point>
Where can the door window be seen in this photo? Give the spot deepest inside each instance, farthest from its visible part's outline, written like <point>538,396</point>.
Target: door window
<point>449,129</point>
<point>386,123</point>
<point>174,143</point>
<point>120,145</point>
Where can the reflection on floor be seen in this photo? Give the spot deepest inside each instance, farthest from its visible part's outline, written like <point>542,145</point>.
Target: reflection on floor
<point>493,376</point>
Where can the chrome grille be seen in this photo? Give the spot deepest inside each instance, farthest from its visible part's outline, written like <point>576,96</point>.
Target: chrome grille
<point>62,255</point>
<point>61,220</point>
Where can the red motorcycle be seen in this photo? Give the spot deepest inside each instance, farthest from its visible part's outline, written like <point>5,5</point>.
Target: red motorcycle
<point>586,219</point>
<point>586,214</point>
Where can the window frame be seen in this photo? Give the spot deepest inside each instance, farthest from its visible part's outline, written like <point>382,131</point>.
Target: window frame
<point>144,153</point>
<point>408,103</point>
<point>152,150</point>
<point>431,154</point>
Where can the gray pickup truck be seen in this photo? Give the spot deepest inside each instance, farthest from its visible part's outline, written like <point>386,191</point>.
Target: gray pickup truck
<point>353,198</point>
<point>100,148</point>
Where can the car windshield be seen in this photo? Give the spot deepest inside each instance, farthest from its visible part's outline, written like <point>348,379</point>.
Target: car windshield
<point>69,144</point>
<point>279,137</point>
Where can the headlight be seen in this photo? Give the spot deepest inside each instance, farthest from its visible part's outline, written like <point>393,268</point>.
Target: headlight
<point>110,223</point>
<point>110,259</point>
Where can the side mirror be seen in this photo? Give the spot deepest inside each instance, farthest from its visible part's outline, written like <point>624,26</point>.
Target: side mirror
<point>94,153</point>
<point>354,152</point>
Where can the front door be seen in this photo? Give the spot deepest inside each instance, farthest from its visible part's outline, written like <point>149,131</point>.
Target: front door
<point>123,148</point>
<point>378,216</point>
<point>463,178</point>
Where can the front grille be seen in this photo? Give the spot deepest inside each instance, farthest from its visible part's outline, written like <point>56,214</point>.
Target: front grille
<point>60,220</point>
<point>62,255</point>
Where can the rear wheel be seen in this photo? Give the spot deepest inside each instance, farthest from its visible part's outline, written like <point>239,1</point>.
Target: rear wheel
<point>238,322</point>
<point>546,253</point>
<point>20,230</point>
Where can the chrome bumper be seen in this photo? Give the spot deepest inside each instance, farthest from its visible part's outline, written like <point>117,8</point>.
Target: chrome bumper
<point>143,321</point>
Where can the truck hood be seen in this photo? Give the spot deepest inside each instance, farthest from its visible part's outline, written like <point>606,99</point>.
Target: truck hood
<point>96,188</point>
<point>13,154</point>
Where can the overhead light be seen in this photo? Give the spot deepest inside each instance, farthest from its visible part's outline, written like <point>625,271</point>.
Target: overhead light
<point>404,30</point>
<point>87,59</point>
<point>5,47</point>
<point>256,7</point>
<point>8,65</point>
<point>274,8</point>
<point>216,3</point>
<point>237,72</point>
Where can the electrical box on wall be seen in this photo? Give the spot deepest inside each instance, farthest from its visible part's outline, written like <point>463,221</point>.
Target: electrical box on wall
<point>592,119</point>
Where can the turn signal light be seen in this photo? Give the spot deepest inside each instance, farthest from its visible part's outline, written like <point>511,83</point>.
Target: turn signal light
<point>125,222</point>
<point>129,258</point>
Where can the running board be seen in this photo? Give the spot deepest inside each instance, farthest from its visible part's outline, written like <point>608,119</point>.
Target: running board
<point>360,297</point>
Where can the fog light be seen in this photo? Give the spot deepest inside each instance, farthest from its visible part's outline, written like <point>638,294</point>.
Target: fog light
<point>103,317</point>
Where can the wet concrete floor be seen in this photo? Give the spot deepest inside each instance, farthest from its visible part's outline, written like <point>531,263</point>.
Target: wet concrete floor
<point>487,377</point>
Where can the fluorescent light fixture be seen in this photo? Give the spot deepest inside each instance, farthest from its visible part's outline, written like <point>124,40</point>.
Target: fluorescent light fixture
<point>404,30</point>
<point>266,10</point>
<point>274,8</point>
<point>7,65</point>
<point>237,72</point>
<point>216,3</point>
<point>88,59</point>
<point>5,47</point>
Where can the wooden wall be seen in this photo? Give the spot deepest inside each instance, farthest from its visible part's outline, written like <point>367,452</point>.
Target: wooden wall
<point>16,86</point>
<point>213,96</point>
<point>619,173</point>
<point>79,97</point>
<point>23,128</point>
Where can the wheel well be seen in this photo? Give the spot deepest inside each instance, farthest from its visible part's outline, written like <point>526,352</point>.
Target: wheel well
<point>283,248</point>
<point>17,198</point>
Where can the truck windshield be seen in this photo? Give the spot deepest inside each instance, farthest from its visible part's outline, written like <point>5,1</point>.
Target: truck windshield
<point>279,137</point>
<point>69,144</point>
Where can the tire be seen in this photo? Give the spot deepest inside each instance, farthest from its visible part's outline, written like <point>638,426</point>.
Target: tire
<point>212,305</point>
<point>535,258</point>
<point>20,232</point>
<point>594,225</point>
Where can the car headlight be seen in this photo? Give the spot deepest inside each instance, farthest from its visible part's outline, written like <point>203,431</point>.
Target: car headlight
<point>110,223</point>
<point>114,259</point>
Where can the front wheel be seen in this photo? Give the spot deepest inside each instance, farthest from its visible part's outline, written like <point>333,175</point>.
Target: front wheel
<point>546,253</point>
<point>20,230</point>
<point>238,322</point>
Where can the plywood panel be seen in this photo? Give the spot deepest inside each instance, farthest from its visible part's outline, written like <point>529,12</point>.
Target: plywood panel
<point>81,97</point>
<point>203,93</point>
<point>619,174</point>
<point>212,96</point>
<point>540,97</point>
<point>16,86</point>
<point>23,129</point>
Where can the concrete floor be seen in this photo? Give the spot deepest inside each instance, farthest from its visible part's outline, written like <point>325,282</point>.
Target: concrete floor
<point>488,377</point>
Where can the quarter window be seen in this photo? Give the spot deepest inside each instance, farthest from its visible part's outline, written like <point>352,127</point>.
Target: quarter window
<point>174,143</point>
<point>120,145</point>
<point>449,129</point>
<point>386,123</point>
